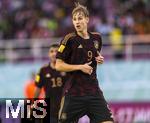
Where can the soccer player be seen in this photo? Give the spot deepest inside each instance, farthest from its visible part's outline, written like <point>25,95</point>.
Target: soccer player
<point>52,81</point>
<point>78,54</point>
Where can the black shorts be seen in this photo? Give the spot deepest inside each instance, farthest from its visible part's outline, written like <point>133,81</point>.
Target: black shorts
<point>74,107</point>
<point>53,119</point>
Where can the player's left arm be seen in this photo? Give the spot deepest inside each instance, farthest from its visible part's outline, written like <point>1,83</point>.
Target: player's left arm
<point>99,58</point>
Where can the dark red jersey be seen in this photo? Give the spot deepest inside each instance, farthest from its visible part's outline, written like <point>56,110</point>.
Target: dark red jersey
<point>76,50</point>
<point>52,81</point>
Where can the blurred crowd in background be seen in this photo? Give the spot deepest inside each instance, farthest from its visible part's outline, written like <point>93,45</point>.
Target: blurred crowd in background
<point>25,19</point>
<point>28,27</point>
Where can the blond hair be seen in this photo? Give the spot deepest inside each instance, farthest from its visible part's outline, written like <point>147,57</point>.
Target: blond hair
<point>80,8</point>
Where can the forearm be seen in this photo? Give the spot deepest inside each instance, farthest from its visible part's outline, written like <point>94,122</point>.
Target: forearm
<point>62,66</point>
<point>37,92</point>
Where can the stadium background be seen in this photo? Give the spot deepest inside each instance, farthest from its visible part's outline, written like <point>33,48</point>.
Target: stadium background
<point>28,27</point>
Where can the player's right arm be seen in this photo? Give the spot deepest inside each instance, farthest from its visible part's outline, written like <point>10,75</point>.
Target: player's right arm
<point>64,52</point>
<point>39,82</point>
<point>62,66</point>
<point>37,92</point>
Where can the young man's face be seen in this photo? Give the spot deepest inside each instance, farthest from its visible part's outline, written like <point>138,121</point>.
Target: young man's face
<point>52,53</point>
<point>80,21</point>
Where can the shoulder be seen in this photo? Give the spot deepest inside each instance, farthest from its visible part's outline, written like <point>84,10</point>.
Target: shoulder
<point>68,38</point>
<point>97,40</point>
<point>96,34</point>
<point>44,67</point>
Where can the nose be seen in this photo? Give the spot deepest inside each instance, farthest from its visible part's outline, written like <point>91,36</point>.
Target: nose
<point>55,53</point>
<point>78,21</point>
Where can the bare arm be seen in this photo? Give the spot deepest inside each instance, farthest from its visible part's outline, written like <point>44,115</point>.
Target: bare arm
<point>62,66</point>
<point>37,92</point>
<point>99,58</point>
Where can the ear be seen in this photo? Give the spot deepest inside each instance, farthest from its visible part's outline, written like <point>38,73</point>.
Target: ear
<point>87,19</point>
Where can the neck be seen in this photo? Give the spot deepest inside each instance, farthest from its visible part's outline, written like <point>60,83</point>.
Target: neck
<point>52,64</point>
<point>84,34</point>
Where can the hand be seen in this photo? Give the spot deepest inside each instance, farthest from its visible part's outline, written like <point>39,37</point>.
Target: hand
<point>99,58</point>
<point>86,68</point>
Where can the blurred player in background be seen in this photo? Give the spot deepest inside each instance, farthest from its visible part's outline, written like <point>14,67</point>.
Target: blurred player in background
<point>78,55</point>
<point>52,81</point>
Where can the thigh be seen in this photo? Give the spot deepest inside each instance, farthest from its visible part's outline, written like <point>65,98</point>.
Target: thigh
<point>99,110</point>
<point>71,109</point>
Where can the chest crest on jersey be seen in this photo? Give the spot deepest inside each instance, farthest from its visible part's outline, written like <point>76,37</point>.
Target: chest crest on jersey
<point>48,75</point>
<point>96,45</point>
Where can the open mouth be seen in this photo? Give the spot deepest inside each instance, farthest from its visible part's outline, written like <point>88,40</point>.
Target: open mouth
<point>78,26</point>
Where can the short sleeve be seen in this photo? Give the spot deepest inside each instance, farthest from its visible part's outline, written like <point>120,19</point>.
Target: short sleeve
<point>39,79</point>
<point>65,49</point>
<point>97,42</point>
<point>100,43</point>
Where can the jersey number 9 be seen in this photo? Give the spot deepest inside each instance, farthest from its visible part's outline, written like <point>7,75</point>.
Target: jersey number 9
<point>90,55</point>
